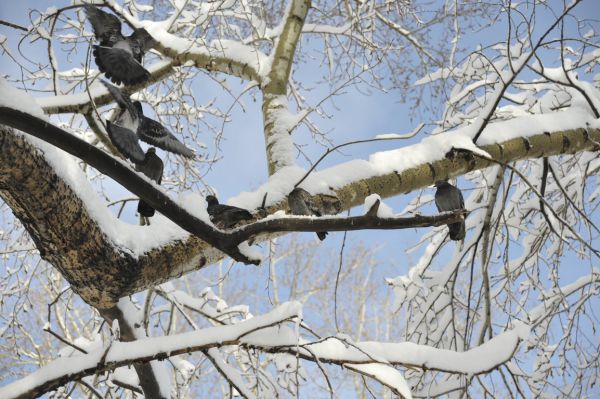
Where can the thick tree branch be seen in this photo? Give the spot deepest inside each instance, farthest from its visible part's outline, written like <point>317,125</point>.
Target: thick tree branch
<point>64,370</point>
<point>330,350</point>
<point>277,140</point>
<point>121,174</point>
<point>72,241</point>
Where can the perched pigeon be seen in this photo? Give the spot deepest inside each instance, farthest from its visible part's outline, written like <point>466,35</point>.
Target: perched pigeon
<point>143,128</point>
<point>449,198</point>
<point>153,133</point>
<point>301,203</point>
<point>152,166</point>
<point>122,131</point>
<point>225,216</point>
<point>119,57</point>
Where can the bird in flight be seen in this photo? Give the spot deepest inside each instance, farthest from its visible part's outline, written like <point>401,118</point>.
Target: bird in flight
<point>131,124</point>
<point>119,57</point>
<point>154,133</point>
<point>123,130</point>
<point>450,198</point>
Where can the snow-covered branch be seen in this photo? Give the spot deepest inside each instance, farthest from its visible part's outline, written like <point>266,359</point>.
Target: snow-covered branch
<point>407,172</point>
<point>276,115</point>
<point>118,354</point>
<point>267,334</point>
<point>343,351</point>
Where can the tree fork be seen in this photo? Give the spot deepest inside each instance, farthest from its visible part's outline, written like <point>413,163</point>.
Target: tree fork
<point>69,238</point>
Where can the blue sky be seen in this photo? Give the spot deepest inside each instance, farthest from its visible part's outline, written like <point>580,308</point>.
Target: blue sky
<point>356,116</point>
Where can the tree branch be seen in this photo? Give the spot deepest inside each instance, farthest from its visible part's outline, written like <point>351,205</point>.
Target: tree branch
<point>71,240</point>
<point>64,370</point>
<point>80,102</point>
<point>148,381</point>
<point>329,350</point>
<point>277,140</point>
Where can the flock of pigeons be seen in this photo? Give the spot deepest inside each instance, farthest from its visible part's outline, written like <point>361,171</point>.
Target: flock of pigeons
<point>120,57</point>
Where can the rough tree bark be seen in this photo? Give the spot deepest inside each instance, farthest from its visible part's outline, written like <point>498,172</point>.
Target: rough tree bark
<point>101,273</point>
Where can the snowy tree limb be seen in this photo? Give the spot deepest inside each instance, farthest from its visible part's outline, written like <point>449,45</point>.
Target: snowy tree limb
<point>80,102</point>
<point>259,333</point>
<point>148,380</point>
<point>277,139</point>
<point>63,370</point>
<point>117,273</point>
<point>56,248</point>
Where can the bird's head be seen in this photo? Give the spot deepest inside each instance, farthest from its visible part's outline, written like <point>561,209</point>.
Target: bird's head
<point>212,200</point>
<point>441,183</point>
<point>151,150</point>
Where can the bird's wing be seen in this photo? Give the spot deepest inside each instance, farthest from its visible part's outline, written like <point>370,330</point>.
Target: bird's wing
<point>156,134</point>
<point>143,39</point>
<point>443,200</point>
<point>154,167</point>
<point>122,99</point>
<point>119,66</point>
<point>126,142</point>
<point>330,204</point>
<point>297,205</point>
<point>449,199</point>
<point>240,214</point>
<point>231,216</point>
<point>107,27</point>
<point>315,211</point>
<point>313,206</point>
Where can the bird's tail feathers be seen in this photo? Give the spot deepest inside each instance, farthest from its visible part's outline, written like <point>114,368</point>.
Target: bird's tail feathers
<point>322,235</point>
<point>457,231</point>
<point>144,209</point>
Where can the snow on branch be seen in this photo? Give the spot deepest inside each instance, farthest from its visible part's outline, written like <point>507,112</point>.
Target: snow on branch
<point>118,354</point>
<point>222,55</point>
<point>342,351</point>
<point>553,299</point>
<point>80,102</point>
<point>266,333</point>
<point>224,241</point>
<point>386,173</point>
<point>276,115</point>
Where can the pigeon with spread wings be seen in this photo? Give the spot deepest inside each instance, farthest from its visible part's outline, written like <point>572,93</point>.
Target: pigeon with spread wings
<point>153,133</point>
<point>118,56</point>
<point>123,130</point>
<point>133,125</point>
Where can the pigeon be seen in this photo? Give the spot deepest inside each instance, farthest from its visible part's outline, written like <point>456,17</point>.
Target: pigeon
<point>153,133</point>
<point>152,166</point>
<point>123,131</point>
<point>449,198</point>
<point>301,203</point>
<point>141,127</point>
<point>225,216</point>
<point>119,57</point>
